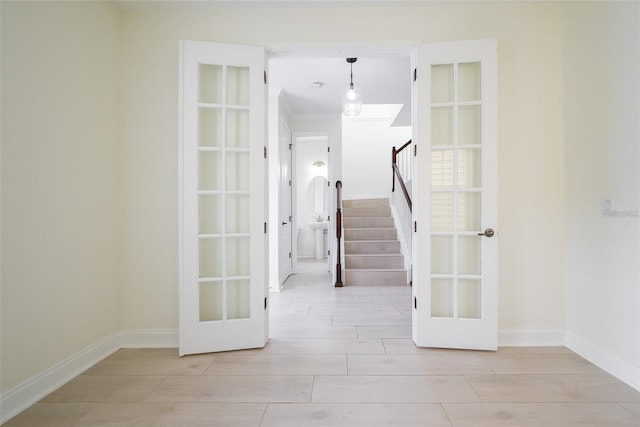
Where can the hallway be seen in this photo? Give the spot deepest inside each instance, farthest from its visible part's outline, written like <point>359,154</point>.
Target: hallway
<point>340,357</point>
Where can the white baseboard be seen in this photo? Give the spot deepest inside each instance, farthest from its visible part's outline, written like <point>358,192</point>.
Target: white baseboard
<point>21,397</point>
<point>619,368</point>
<point>531,338</point>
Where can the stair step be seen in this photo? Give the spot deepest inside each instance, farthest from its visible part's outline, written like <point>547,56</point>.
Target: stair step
<point>380,211</point>
<point>372,247</point>
<point>364,203</point>
<point>374,261</point>
<point>351,234</point>
<point>375,277</point>
<point>371,222</point>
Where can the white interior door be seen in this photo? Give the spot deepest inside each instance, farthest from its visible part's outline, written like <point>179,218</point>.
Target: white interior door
<point>285,246</point>
<point>222,230</point>
<point>455,259</point>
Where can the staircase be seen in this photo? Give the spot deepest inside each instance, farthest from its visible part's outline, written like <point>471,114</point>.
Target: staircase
<point>371,249</point>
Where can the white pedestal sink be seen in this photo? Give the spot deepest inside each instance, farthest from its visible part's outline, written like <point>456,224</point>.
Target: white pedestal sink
<point>319,228</point>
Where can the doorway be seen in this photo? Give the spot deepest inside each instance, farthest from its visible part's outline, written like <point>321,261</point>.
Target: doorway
<point>313,207</point>
<point>305,89</point>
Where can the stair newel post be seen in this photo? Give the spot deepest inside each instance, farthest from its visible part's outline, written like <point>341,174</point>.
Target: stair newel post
<point>338,234</point>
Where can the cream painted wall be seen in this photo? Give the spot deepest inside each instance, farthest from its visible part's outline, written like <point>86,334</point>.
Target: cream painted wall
<point>531,170</point>
<point>366,156</point>
<point>602,160</point>
<point>60,183</point>
<point>104,258</point>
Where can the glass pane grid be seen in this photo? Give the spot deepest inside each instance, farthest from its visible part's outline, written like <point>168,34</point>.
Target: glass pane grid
<point>223,192</point>
<point>456,191</point>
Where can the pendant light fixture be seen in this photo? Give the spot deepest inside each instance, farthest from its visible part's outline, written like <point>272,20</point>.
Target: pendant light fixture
<point>352,98</point>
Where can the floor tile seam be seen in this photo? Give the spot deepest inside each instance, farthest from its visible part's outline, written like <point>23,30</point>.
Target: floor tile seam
<point>466,379</point>
<point>120,376</point>
<point>313,387</point>
<point>595,375</point>
<point>622,405</point>
<point>213,359</point>
<point>484,362</point>
<point>157,387</point>
<point>446,414</point>
<point>80,420</point>
<point>264,413</point>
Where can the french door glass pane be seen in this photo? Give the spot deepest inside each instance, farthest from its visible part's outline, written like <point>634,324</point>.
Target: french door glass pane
<point>210,127</point>
<point>442,254</point>
<point>238,86</point>
<point>238,299</point>
<point>210,214</point>
<point>237,128</point>
<point>469,299</point>
<point>441,297</point>
<point>441,83</point>
<point>238,262</point>
<point>469,81</point>
<point>210,79</point>
<point>210,170</point>
<point>238,212</point>
<point>237,171</point>
<point>210,257</point>
<point>442,126</point>
<point>441,169</point>
<point>211,297</point>
<point>442,211</point>
<point>469,255</point>
<point>469,211</point>
<point>469,125</point>
<point>469,168</point>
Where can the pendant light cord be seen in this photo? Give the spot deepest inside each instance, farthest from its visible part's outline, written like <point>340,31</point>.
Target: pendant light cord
<point>351,85</point>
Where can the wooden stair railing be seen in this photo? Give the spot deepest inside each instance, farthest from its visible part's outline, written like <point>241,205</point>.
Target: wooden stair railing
<point>396,173</point>
<point>338,233</point>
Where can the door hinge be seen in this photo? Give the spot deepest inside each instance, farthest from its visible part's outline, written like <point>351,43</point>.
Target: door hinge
<point>290,146</point>
<point>290,218</point>
<point>265,151</point>
<point>415,226</point>
<point>415,302</point>
<point>265,303</point>
<point>265,228</point>
<point>415,151</point>
<point>329,252</point>
<point>265,77</point>
<point>289,183</point>
<point>289,255</point>
<point>328,149</point>
<point>415,74</point>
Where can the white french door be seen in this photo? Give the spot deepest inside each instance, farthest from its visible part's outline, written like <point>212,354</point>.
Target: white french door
<point>455,198</point>
<point>222,232</point>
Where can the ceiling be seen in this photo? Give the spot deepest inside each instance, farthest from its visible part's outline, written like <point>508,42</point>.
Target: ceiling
<point>383,80</point>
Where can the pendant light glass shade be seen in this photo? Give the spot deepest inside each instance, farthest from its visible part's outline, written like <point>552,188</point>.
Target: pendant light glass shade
<point>352,97</point>
<point>352,101</point>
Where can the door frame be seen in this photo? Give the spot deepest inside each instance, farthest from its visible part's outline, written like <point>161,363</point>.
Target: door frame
<point>326,50</point>
<point>295,183</point>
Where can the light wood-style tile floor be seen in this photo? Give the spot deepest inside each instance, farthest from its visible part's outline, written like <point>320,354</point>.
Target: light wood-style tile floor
<point>340,357</point>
